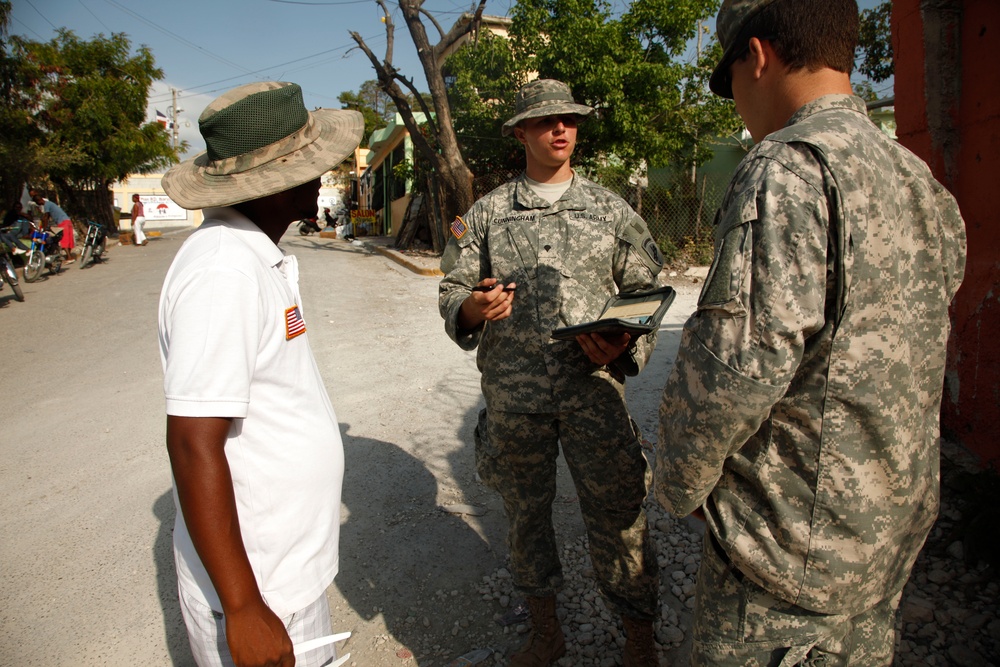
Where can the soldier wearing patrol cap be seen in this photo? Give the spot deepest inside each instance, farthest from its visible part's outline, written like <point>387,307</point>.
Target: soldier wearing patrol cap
<point>544,251</point>
<point>801,417</point>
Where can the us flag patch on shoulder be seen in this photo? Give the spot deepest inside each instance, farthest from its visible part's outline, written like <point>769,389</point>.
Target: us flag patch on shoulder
<point>458,227</point>
<point>294,324</point>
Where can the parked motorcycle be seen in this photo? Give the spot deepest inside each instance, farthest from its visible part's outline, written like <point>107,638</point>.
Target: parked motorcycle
<point>44,252</point>
<point>7,272</point>
<point>95,243</point>
<point>308,226</point>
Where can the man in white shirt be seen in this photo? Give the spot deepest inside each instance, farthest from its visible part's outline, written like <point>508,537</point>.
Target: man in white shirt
<point>254,444</point>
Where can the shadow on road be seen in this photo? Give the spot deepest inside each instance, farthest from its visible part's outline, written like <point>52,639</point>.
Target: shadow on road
<point>401,555</point>
<point>166,582</point>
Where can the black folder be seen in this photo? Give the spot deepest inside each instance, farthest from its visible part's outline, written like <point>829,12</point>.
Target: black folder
<point>637,314</point>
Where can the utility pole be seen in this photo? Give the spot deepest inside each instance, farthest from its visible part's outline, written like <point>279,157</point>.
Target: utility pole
<point>173,115</point>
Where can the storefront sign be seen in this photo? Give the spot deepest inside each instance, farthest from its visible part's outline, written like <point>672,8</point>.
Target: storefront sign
<point>161,207</point>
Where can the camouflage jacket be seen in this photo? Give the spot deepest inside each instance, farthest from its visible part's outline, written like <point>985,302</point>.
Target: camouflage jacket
<point>803,407</point>
<point>567,258</point>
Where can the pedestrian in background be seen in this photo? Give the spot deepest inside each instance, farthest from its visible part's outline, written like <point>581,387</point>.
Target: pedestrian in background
<point>802,412</point>
<point>547,250</point>
<point>257,482</point>
<point>138,220</point>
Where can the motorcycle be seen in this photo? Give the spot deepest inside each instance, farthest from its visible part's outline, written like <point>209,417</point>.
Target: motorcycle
<point>7,272</point>
<point>44,251</point>
<point>308,226</point>
<point>95,243</point>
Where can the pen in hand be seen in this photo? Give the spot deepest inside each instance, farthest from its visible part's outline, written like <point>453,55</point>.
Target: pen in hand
<point>487,288</point>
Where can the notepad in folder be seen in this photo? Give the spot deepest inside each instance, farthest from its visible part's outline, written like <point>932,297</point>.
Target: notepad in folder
<point>637,314</point>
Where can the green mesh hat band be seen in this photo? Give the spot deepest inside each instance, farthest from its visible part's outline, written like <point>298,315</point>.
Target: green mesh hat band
<point>254,122</point>
<point>265,155</point>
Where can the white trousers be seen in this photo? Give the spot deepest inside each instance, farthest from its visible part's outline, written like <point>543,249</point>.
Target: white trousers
<point>137,224</point>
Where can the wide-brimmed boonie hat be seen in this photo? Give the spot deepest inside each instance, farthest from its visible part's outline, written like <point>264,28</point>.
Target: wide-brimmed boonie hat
<point>261,140</point>
<point>729,24</point>
<point>543,97</point>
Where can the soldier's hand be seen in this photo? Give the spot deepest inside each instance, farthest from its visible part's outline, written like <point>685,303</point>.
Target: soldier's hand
<point>489,301</point>
<point>603,350</point>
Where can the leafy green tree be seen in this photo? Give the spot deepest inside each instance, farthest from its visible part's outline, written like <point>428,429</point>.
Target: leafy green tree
<point>92,109</point>
<point>435,140</point>
<point>875,43</point>
<point>375,105</point>
<point>23,154</point>
<point>651,97</point>
<point>483,79</point>
<point>865,91</point>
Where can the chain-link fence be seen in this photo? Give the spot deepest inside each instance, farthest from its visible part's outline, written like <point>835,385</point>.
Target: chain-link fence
<point>677,212</point>
<point>680,214</point>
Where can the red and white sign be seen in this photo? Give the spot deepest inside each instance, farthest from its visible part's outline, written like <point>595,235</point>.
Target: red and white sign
<point>161,207</point>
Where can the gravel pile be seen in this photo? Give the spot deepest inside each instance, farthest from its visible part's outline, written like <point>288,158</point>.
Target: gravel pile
<point>949,615</point>
<point>950,612</point>
<point>594,634</point>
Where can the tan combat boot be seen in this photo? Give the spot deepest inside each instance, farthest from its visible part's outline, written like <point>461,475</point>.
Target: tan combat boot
<point>640,650</point>
<point>546,643</point>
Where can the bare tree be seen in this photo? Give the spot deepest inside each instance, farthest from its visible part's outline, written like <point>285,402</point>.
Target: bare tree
<point>451,184</point>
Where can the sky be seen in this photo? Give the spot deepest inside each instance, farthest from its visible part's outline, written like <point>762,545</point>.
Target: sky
<point>206,47</point>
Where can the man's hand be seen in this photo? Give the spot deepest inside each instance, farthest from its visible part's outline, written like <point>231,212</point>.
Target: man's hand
<point>492,305</point>
<point>257,638</point>
<point>601,350</point>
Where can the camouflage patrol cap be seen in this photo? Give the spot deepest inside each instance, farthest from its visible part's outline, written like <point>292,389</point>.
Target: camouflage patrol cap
<point>260,141</point>
<point>543,97</point>
<point>732,18</point>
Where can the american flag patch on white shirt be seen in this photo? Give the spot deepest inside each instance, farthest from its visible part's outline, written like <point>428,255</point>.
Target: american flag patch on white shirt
<point>294,324</point>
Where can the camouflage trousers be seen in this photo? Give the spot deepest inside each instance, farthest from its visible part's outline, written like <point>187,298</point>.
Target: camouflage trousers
<point>516,456</point>
<point>738,623</point>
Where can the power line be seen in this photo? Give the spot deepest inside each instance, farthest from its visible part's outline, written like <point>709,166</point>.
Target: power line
<point>189,90</point>
<point>176,36</point>
<point>318,4</point>
<point>96,18</point>
<point>41,14</point>
<point>27,27</point>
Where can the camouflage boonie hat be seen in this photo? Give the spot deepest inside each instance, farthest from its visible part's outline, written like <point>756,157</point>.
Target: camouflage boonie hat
<point>260,141</point>
<point>543,97</point>
<point>733,16</point>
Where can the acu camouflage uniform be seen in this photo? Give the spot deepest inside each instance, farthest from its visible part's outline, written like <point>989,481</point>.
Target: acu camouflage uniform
<point>567,258</point>
<point>803,408</point>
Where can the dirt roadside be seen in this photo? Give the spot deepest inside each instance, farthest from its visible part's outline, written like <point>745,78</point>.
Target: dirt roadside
<point>434,587</point>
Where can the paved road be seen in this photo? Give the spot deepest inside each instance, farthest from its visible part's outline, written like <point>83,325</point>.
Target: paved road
<point>86,569</point>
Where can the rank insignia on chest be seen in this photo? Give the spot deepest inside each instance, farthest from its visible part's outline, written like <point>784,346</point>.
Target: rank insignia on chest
<point>294,324</point>
<point>458,227</point>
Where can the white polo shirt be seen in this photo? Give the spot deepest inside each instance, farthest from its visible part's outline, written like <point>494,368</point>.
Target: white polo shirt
<point>233,344</point>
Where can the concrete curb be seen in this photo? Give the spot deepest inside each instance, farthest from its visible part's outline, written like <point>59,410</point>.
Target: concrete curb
<point>403,260</point>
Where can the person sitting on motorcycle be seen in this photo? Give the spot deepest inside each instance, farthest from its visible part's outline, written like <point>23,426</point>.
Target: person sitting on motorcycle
<point>53,215</point>
<point>15,226</point>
